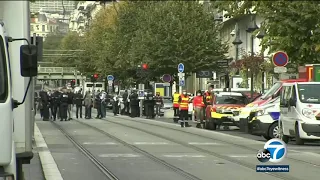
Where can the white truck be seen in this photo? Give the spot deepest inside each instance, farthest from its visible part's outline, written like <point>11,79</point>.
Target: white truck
<point>18,66</point>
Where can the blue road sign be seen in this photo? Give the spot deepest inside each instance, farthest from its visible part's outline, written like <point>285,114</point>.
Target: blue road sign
<point>110,78</point>
<point>280,59</point>
<point>180,68</point>
<point>181,83</point>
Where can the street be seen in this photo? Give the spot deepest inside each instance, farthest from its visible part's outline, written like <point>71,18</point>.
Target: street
<point>136,148</point>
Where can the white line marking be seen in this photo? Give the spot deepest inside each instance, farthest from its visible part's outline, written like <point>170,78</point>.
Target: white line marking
<point>119,155</point>
<point>150,143</point>
<point>238,156</point>
<point>99,143</point>
<point>49,166</point>
<point>203,143</point>
<point>183,155</point>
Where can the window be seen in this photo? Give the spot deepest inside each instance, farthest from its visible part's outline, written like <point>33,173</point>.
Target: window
<point>309,93</point>
<point>89,85</point>
<point>31,28</point>
<point>43,28</point>
<point>98,85</point>
<point>230,99</point>
<point>285,95</point>
<point>3,73</point>
<point>272,91</point>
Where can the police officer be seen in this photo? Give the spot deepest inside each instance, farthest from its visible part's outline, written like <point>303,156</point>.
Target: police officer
<point>175,99</point>
<point>97,104</point>
<point>134,104</point>
<point>78,102</point>
<point>184,109</point>
<point>149,105</point>
<point>70,104</point>
<point>45,105</point>
<point>55,102</point>
<point>64,98</point>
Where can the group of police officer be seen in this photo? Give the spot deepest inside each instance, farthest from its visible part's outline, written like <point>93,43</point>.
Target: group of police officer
<point>181,107</point>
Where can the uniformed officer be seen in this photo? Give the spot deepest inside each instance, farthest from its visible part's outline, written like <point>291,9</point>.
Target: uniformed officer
<point>55,102</point>
<point>45,104</point>
<point>70,104</point>
<point>149,105</point>
<point>175,98</point>
<point>97,105</point>
<point>64,98</point>
<point>78,102</point>
<point>184,109</point>
<point>134,104</point>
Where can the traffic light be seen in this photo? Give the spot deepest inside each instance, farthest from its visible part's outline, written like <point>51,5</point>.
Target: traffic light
<point>145,66</point>
<point>94,77</point>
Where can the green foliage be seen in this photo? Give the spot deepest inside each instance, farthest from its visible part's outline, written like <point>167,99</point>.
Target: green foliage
<point>51,43</point>
<point>69,57</point>
<point>288,25</point>
<point>161,34</point>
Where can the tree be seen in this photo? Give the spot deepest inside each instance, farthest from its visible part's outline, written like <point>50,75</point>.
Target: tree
<point>70,54</point>
<point>292,26</point>
<point>164,34</point>
<point>51,43</point>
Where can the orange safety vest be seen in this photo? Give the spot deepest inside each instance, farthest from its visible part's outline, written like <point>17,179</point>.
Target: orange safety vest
<point>208,98</point>
<point>198,101</point>
<point>184,104</point>
<point>176,100</point>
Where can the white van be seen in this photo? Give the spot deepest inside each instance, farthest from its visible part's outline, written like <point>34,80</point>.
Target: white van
<point>300,111</point>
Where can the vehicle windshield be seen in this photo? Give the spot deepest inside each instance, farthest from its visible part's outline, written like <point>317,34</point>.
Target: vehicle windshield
<point>3,76</point>
<point>272,90</point>
<point>309,93</point>
<point>167,100</point>
<point>230,99</point>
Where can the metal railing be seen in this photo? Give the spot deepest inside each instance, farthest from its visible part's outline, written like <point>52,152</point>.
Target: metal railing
<point>56,70</point>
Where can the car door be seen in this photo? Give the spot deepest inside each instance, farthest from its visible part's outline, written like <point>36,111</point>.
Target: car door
<point>292,112</point>
<point>284,108</point>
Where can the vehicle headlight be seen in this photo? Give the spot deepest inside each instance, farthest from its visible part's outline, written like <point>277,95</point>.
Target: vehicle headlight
<point>308,113</point>
<point>260,112</point>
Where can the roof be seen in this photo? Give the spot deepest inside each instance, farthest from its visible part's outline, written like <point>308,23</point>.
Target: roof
<point>230,94</point>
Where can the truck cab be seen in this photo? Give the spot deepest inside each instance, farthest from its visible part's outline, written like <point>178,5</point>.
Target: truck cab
<point>300,111</point>
<point>18,66</point>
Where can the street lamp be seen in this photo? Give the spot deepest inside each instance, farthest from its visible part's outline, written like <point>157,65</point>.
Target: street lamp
<point>261,36</point>
<point>251,28</point>
<point>237,41</point>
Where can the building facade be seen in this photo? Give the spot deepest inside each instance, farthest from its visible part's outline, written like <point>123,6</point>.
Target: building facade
<point>53,6</point>
<point>81,17</point>
<point>42,26</point>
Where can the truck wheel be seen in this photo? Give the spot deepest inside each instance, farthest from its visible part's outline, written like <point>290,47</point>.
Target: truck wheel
<point>274,131</point>
<point>299,141</point>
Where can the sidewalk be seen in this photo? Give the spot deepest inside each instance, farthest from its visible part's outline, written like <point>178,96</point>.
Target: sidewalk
<point>33,171</point>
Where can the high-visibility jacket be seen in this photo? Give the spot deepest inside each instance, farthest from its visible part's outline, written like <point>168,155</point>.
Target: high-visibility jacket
<point>208,97</point>
<point>198,101</point>
<point>176,100</point>
<point>184,103</point>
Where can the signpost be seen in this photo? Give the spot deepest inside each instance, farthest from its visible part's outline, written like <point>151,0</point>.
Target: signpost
<point>166,78</point>
<point>141,97</point>
<point>181,76</point>
<point>110,79</point>
<point>280,59</point>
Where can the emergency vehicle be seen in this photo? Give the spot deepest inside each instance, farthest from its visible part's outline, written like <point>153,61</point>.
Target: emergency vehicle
<point>90,86</point>
<point>300,112</point>
<point>222,109</point>
<point>18,66</point>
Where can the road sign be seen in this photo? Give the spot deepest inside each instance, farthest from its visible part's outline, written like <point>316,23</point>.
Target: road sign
<point>166,78</point>
<point>280,58</point>
<point>181,75</point>
<point>204,74</point>
<point>110,78</point>
<point>280,69</point>
<point>180,68</point>
<point>110,83</point>
<point>181,82</point>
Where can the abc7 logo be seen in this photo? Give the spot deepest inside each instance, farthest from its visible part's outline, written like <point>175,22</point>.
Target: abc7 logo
<point>263,155</point>
<point>275,150</point>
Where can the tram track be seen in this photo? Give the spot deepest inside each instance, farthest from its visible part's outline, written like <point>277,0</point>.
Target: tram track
<point>87,153</point>
<point>226,158</point>
<point>132,147</point>
<point>216,139</point>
